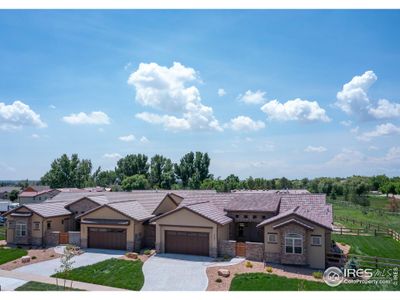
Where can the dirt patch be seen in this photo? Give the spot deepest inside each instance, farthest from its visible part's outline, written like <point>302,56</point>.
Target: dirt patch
<point>258,267</point>
<point>141,257</point>
<point>344,247</point>
<point>40,254</point>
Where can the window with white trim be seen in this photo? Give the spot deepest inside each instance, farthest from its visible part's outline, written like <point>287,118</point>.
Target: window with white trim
<point>272,238</point>
<point>293,243</point>
<point>21,229</point>
<point>316,240</point>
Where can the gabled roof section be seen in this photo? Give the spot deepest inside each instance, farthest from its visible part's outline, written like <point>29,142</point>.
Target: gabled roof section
<point>321,217</point>
<point>204,209</point>
<point>257,202</point>
<point>314,201</point>
<point>293,221</point>
<point>46,211</point>
<point>100,200</point>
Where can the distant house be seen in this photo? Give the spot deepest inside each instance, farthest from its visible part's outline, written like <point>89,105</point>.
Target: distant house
<point>36,194</point>
<point>286,227</point>
<point>6,190</point>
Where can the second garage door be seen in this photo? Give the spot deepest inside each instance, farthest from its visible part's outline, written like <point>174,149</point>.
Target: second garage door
<point>107,238</point>
<point>187,242</point>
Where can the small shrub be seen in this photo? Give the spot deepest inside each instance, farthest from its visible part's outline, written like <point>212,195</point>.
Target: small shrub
<point>317,275</point>
<point>147,252</point>
<point>52,255</point>
<point>219,280</point>
<point>268,269</point>
<point>33,257</point>
<point>343,244</point>
<point>226,257</point>
<point>249,264</point>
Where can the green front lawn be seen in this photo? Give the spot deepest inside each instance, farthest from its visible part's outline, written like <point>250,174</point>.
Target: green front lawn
<point>2,233</point>
<point>9,254</point>
<point>39,286</point>
<point>112,272</point>
<point>370,245</point>
<point>271,282</point>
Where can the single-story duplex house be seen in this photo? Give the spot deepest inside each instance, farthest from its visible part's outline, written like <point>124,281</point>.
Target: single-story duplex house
<point>278,226</point>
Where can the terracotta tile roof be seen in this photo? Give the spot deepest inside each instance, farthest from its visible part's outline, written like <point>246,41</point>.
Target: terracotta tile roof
<point>34,194</point>
<point>132,209</point>
<point>49,209</point>
<point>321,216</point>
<point>262,202</point>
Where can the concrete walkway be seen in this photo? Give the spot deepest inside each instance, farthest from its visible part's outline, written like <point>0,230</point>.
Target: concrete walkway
<point>10,284</point>
<point>178,272</point>
<point>44,279</point>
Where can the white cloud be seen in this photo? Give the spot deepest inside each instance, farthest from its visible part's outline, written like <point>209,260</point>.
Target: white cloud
<point>144,140</point>
<point>295,110</point>
<point>346,123</point>
<point>355,130</point>
<point>243,123</point>
<point>127,138</point>
<point>101,129</point>
<point>373,148</point>
<point>347,156</point>
<point>221,92</point>
<point>353,96</point>
<point>18,114</point>
<point>93,118</point>
<point>35,136</point>
<point>112,155</point>
<point>380,130</point>
<point>52,106</point>
<point>166,89</point>
<point>317,149</point>
<point>385,110</point>
<point>249,97</point>
<point>127,66</point>
<point>354,99</point>
<point>393,154</point>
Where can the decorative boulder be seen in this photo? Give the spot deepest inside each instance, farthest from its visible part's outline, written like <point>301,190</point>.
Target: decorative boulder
<point>132,255</point>
<point>25,259</point>
<point>224,272</point>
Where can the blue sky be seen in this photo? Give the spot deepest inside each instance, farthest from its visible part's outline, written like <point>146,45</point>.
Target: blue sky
<point>104,84</point>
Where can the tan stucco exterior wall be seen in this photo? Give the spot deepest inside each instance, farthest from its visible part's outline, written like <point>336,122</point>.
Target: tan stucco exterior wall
<point>185,220</point>
<point>108,213</point>
<point>165,206</point>
<point>315,254</point>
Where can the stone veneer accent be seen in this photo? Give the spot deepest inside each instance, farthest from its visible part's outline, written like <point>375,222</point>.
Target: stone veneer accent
<point>227,248</point>
<point>36,241</point>
<point>294,259</point>
<point>74,238</point>
<point>130,247</point>
<point>52,238</point>
<point>84,243</point>
<point>255,251</point>
<point>273,257</point>
<point>137,244</point>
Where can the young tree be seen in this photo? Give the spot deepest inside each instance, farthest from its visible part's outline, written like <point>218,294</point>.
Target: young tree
<point>66,265</point>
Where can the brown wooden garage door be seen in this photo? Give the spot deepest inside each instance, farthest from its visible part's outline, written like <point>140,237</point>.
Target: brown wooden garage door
<point>186,242</point>
<point>107,238</point>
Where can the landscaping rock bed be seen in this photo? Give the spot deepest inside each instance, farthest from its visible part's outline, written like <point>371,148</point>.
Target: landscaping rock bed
<point>36,255</point>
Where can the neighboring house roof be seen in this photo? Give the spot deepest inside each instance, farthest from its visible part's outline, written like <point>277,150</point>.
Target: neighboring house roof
<point>37,188</point>
<point>254,202</point>
<point>9,189</point>
<point>34,194</point>
<point>319,217</point>
<point>280,192</point>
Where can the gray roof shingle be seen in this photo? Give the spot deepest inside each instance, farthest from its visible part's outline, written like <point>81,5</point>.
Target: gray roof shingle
<point>47,210</point>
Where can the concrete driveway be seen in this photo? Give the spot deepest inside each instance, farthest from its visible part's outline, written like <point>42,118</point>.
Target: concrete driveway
<point>91,256</point>
<point>10,284</point>
<point>178,272</point>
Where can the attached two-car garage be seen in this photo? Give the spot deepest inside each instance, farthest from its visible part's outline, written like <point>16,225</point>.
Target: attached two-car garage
<point>187,242</point>
<point>107,238</point>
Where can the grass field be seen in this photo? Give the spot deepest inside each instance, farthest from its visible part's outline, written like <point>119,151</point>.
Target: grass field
<point>39,286</point>
<point>271,282</point>
<point>2,233</point>
<point>370,245</point>
<point>112,272</point>
<point>386,220</point>
<point>7,255</point>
